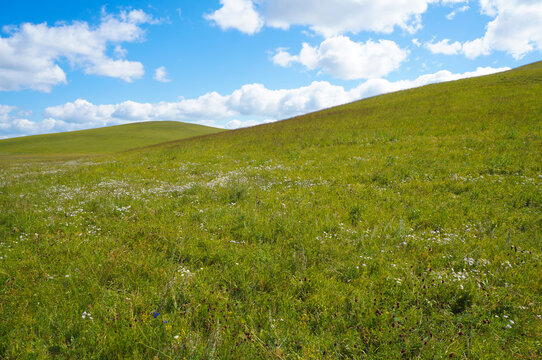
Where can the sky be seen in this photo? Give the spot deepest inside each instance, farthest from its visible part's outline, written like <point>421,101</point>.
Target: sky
<point>72,65</point>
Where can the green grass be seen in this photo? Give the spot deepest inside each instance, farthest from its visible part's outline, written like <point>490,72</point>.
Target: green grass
<point>402,226</point>
<point>103,140</point>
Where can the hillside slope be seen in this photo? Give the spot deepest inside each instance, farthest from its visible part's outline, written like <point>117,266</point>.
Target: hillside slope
<point>104,140</point>
<point>407,225</point>
<point>508,100</point>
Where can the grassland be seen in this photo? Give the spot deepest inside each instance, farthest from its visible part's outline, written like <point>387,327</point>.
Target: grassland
<point>402,226</point>
<point>101,141</point>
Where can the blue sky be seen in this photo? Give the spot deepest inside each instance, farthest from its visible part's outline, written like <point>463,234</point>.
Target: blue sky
<point>70,65</point>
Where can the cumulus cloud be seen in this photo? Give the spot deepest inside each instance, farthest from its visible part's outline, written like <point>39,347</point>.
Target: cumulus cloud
<point>516,30</point>
<point>237,14</point>
<point>30,54</point>
<point>444,47</point>
<point>345,59</point>
<point>14,123</point>
<point>328,18</point>
<point>81,111</point>
<point>470,49</point>
<point>462,9</point>
<point>5,111</point>
<point>489,7</point>
<point>161,75</point>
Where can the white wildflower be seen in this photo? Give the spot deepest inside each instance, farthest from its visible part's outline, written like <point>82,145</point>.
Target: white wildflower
<point>87,315</point>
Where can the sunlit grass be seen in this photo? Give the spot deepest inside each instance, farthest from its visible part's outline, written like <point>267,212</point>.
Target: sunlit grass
<point>402,226</point>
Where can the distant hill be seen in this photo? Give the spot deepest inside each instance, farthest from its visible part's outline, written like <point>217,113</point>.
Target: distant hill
<point>103,140</point>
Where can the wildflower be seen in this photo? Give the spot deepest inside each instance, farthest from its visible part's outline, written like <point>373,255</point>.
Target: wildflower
<point>87,315</point>
<point>155,314</point>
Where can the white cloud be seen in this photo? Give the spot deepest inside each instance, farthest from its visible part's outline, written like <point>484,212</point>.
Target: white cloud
<point>345,59</point>
<point>120,52</point>
<point>444,47</point>
<point>516,30</point>
<point>237,14</point>
<point>470,49</point>
<point>328,18</point>
<point>81,111</point>
<point>462,9</point>
<point>475,48</point>
<point>5,112</point>
<point>283,58</point>
<point>12,124</point>
<point>161,75</point>
<point>489,7</point>
<point>30,54</point>
<point>335,17</point>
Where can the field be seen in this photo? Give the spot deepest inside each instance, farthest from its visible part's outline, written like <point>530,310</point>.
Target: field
<point>102,140</point>
<point>402,226</point>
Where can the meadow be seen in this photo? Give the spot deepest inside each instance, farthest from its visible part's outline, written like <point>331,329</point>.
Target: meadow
<point>406,225</point>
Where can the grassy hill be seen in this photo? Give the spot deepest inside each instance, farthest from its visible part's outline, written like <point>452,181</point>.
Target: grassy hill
<point>402,226</point>
<point>103,140</point>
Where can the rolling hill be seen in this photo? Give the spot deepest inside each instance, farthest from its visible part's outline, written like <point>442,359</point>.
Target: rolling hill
<point>104,140</point>
<point>403,226</point>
